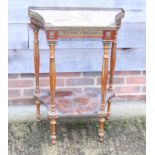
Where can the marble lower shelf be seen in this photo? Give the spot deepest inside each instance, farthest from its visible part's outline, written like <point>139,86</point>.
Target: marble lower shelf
<point>74,103</point>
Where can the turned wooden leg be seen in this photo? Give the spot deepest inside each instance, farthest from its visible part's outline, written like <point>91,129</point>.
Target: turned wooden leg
<point>36,68</point>
<point>53,130</point>
<point>108,109</point>
<point>101,129</point>
<point>104,76</point>
<point>112,60</point>
<point>37,110</point>
<point>52,75</point>
<point>52,91</point>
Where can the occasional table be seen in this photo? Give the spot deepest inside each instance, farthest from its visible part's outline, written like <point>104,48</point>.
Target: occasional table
<point>59,22</point>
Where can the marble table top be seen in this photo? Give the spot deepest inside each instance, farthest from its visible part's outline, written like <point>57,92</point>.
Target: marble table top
<point>59,18</point>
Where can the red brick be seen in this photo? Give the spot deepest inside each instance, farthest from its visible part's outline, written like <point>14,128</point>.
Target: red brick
<point>68,74</point>
<point>44,75</point>
<point>28,92</point>
<point>130,98</point>
<point>92,89</point>
<point>45,82</point>
<point>13,93</point>
<point>99,81</point>
<point>59,82</point>
<point>127,73</point>
<point>144,89</point>
<point>117,80</point>
<point>136,97</point>
<point>80,81</point>
<point>127,89</point>
<point>20,83</point>
<point>12,76</point>
<point>136,80</point>
<point>21,101</point>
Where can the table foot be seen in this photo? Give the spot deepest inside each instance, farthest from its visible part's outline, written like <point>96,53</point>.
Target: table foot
<point>38,118</point>
<point>53,130</point>
<point>108,109</point>
<point>101,129</point>
<point>53,140</point>
<point>37,110</point>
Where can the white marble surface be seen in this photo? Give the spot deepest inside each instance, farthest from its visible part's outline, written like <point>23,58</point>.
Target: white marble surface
<point>78,18</point>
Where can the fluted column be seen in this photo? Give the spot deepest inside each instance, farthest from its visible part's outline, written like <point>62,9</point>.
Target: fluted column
<point>113,60</point>
<point>104,75</point>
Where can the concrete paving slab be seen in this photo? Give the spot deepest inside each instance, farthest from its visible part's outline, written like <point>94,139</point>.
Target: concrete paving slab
<point>118,110</point>
<point>124,133</point>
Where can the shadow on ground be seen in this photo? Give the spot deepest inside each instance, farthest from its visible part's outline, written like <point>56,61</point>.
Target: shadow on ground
<point>122,137</point>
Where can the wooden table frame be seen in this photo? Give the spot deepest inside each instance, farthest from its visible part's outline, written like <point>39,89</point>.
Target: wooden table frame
<point>107,34</point>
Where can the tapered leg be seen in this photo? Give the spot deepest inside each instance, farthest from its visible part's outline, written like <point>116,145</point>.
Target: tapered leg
<point>53,130</point>
<point>52,77</point>
<point>104,78</point>
<point>112,68</point>
<point>36,68</point>
<point>37,110</point>
<point>101,129</point>
<point>104,75</point>
<point>108,109</point>
<point>113,60</point>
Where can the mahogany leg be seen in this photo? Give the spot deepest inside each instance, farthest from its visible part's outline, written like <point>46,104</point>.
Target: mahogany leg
<point>53,130</point>
<point>36,68</point>
<point>37,102</point>
<point>101,129</point>
<point>112,68</point>
<point>52,91</point>
<point>104,78</point>
<point>104,75</point>
<point>108,109</point>
<point>52,76</point>
<point>112,60</point>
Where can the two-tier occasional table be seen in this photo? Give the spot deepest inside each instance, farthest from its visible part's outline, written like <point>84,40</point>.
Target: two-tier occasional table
<point>76,23</point>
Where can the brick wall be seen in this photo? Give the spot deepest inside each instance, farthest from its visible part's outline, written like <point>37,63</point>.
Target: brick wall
<point>128,85</point>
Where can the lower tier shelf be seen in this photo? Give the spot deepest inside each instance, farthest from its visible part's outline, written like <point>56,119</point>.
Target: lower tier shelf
<point>74,103</point>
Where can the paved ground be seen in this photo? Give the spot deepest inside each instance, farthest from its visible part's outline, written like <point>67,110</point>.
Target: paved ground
<point>123,136</point>
<point>118,110</point>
